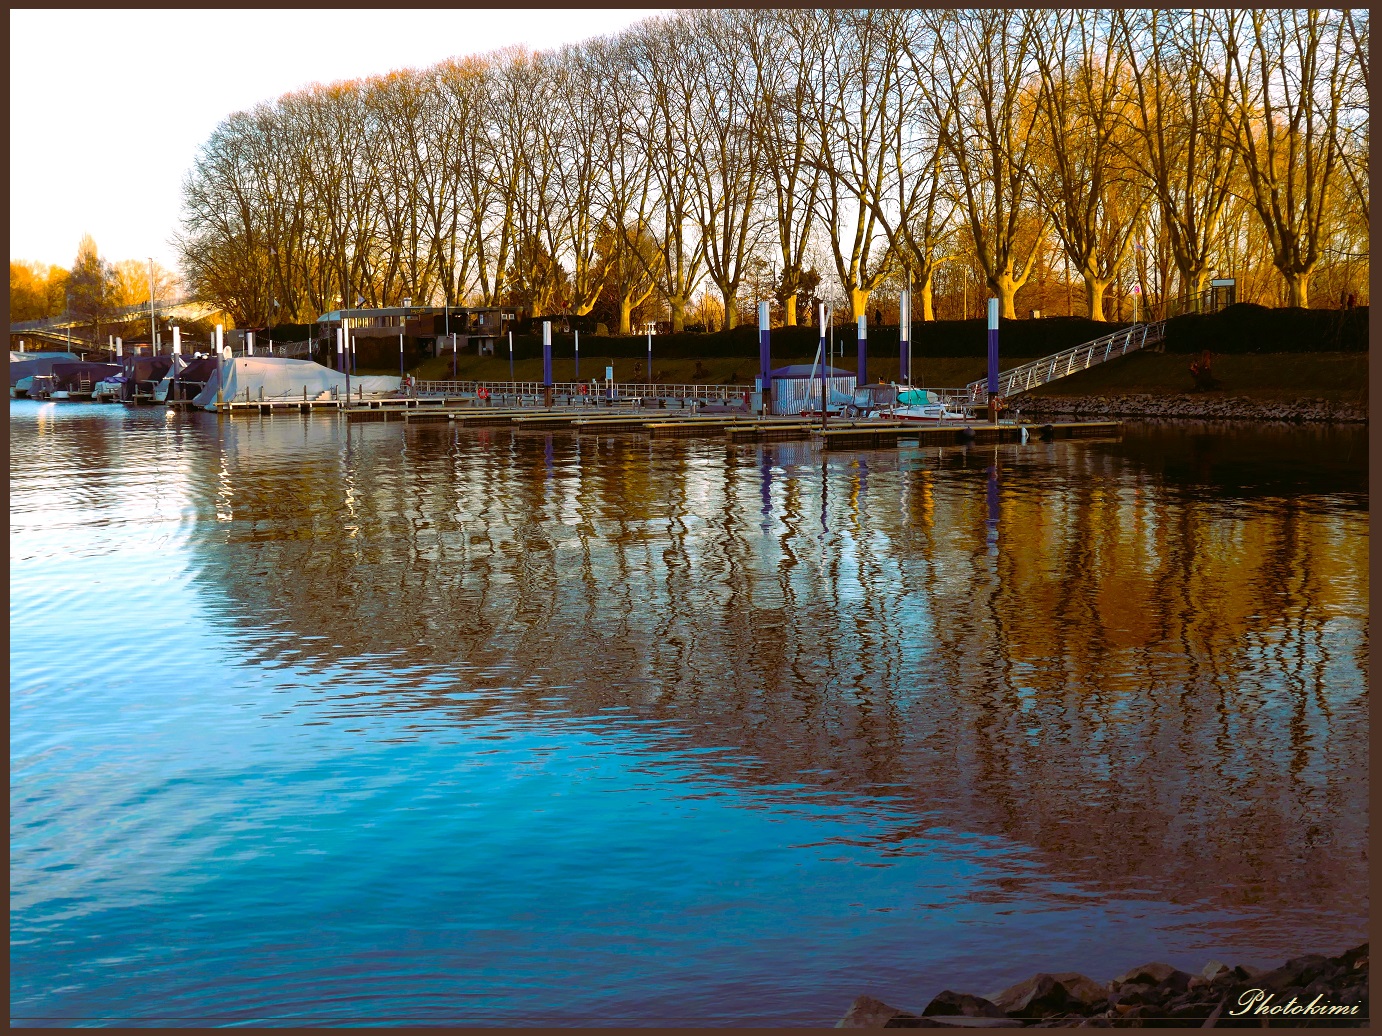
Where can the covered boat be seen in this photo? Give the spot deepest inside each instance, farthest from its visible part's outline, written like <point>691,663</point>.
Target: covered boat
<point>263,378</point>
<point>77,380</point>
<point>24,366</point>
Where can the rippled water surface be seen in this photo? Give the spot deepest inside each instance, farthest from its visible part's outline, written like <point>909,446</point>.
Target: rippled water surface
<point>393,724</point>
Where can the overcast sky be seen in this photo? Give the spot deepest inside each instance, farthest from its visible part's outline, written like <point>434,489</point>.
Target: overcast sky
<point>107,108</point>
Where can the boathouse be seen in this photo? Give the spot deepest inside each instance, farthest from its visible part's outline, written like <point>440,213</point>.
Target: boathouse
<point>797,387</point>
<point>426,330</point>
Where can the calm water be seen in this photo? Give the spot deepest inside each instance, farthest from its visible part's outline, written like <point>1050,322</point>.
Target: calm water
<point>417,725</point>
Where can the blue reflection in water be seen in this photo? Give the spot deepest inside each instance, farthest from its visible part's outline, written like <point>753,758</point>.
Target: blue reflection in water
<point>305,732</point>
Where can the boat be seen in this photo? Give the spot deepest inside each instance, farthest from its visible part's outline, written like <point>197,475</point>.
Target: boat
<point>925,406</point>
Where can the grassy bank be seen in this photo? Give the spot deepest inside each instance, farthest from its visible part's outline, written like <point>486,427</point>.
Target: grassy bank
<point>1335,376</point>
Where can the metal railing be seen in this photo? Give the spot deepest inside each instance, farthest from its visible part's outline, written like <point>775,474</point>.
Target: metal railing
<point>1069,361</point>
<point>108,317</point>
<point>583,390</point>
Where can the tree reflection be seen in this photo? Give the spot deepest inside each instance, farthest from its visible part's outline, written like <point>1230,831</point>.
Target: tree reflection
<point>1153,671</point>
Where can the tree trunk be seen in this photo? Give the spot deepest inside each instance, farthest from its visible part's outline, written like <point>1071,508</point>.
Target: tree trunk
<point>1298,284</point>
<point>1006,291</point>
<point>928,309</point>
<point>677,304</point>
<point>731,307</point>
<point>858,302</point>
<point>790,310</point>
<point>1094,291</point>
<point>625,314</point>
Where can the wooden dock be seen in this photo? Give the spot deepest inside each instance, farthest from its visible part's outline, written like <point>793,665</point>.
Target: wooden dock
<point>737,428</point>
<point>894,433</point>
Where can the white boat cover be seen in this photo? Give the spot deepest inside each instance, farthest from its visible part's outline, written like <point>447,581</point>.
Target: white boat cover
<point>162,388</point>
<point>280,377</point>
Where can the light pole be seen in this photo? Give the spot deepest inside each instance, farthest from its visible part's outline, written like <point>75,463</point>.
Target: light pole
<point>153,331</point>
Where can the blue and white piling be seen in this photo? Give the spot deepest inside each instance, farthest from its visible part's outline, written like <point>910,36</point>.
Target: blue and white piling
<point>765,365</point>
<point>863,374</point>
<point>904,338</point>
<point>547,362</point>
<point>993,361</point>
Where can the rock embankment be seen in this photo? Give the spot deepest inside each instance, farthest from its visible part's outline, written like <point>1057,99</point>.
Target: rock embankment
<point>1306,991</point>
<point>1193,405</point>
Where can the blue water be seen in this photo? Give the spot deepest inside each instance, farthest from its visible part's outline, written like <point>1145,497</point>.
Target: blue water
<point>386,725</point>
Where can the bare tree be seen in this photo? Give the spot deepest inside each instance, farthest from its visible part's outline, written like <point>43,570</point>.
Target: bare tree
<point>982,75</point>
<point>914,207</point>
<point>1288,68</point>
<point>1184,142</point>
<point>859,73</point>
<point>664,58</point>
<point>781,42</point>
<point>626,181</point>
<point>727,166</point>
<point>1093,197</point>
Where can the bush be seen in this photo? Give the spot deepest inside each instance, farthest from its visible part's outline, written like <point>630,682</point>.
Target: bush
<point>1249,328</point>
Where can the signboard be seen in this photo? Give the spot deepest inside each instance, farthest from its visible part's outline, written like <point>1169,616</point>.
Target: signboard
<point>609,373</point>
<point>1137,289</point>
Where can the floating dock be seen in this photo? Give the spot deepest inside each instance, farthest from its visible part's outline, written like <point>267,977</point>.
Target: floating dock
<point>894,433</point>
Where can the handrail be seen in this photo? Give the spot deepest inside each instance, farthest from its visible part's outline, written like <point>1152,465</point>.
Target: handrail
<point>1069,361</point>
<point>110,316</point>
<point>599,390</point>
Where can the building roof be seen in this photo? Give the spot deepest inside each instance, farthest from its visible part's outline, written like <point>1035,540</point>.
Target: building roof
<point>807,370</point>
<point>406,311</point>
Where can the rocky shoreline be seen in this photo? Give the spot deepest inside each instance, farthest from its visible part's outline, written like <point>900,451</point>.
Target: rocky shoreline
<point>1192,405</point>
<point>1313,990</point>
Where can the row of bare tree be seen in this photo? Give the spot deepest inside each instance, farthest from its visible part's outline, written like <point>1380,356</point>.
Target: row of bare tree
<point>690,150</point>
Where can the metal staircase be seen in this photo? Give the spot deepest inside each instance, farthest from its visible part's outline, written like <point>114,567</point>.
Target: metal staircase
<point>1070,361</point>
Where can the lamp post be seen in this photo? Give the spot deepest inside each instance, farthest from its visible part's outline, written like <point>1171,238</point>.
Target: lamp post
<point>153,331</point>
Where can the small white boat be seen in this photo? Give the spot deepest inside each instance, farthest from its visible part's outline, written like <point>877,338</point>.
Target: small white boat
<point>923,405</point>
<point>929,412</point>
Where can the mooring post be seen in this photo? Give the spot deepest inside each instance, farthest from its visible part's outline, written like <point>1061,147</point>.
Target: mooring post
<point>249,343</point>
<point>510,356</point>
<point>650,357</point>
<point>340,349</point>
<point>453,355</point>
<point>346,364</point>
<point>221,357</point>
<point>820,351</point>
<point>765,386</point>
<point>863,375</point>
<point>993,361</point>
<point>578,355</point>
<point>904,338</point>
<point>401,375</point>
<point>547,363</point>
<point>177,354</point>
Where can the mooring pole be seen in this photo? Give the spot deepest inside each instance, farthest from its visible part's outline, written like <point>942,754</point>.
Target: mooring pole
<point>578,355</point>
<point>764,358</point>
<point>863,376</point>
<point>650,357</point>
<point>904,336</point>
<point>340,348</point>
<point>820,351</point>
<point>345,342</point>
<point>993,361</point>
<point>453,356</point>
<point>401,375</point>
<point>547,363</point>
<point>177,354</point>
<point>510,356</point>
<point>220,368</point>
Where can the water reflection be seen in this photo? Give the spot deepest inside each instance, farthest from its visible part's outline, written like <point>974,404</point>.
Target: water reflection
<point>1145,659</point>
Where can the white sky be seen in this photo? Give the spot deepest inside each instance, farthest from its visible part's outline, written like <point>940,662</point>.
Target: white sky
<point>108,108</point>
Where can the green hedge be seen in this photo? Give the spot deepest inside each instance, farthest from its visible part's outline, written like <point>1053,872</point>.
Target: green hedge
<point>932,338</point>
<point>1249,328</point>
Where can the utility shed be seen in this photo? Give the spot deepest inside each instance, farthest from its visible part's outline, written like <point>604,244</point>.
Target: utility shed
<point>797,387</point>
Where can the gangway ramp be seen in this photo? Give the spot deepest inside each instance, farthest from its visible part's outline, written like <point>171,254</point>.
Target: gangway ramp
<point>1070,361</point>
